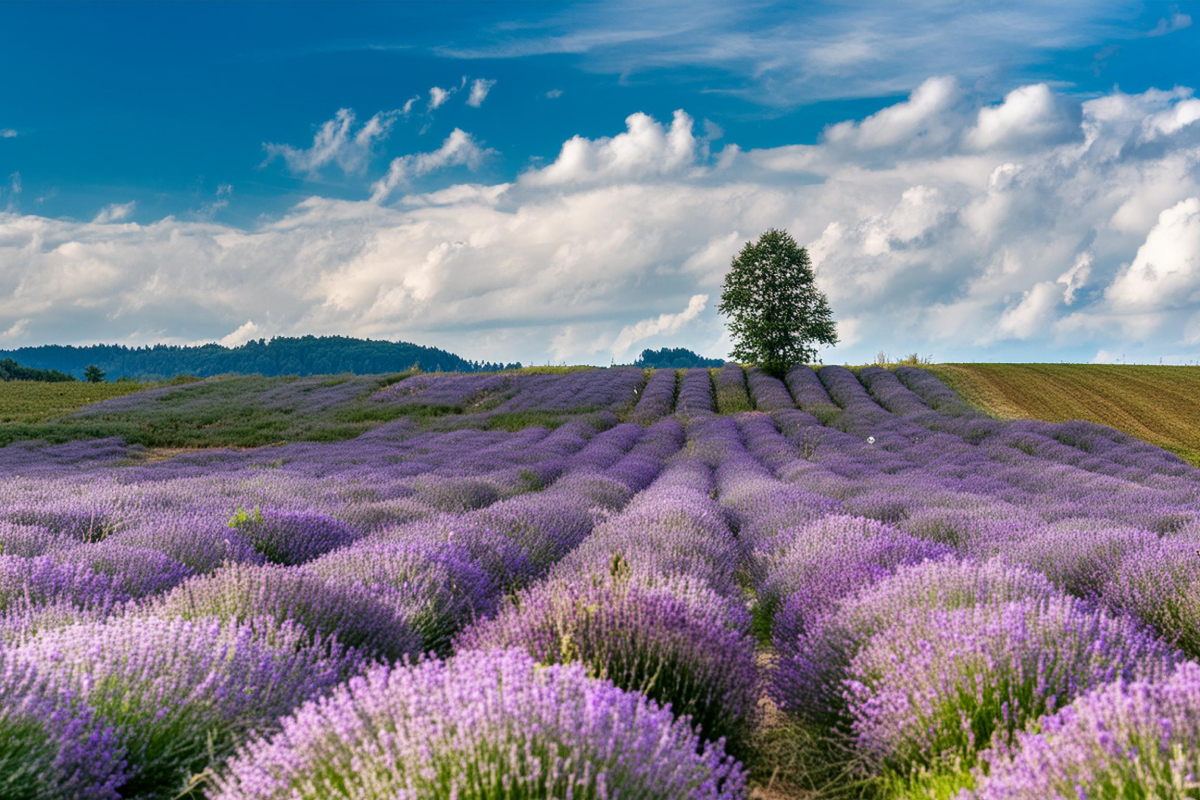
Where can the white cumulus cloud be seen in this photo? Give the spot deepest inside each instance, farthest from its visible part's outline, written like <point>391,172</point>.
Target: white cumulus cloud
<point>663,324</point>
<point>646,149</point>
<point>1028,115</point>
<point>438,97</point>
<point>479,91</point>
<point>1165,273</point>
<point>243,334</point>
<point>338,142</point>
<point>459,149</point>
<point>1062,242</point>
<point>922,116</point>
<point>115,212</point>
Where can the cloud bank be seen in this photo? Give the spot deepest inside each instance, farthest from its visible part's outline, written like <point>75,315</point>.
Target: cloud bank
<point>942,224</point>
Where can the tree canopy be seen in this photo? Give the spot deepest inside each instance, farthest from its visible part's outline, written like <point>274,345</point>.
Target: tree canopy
<point>674,358</point>
<point>777,315</point>
<point>10,370</point>
<point>304,355</point>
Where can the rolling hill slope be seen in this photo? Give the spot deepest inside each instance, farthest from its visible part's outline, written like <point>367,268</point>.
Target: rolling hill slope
<point>1158,404</point>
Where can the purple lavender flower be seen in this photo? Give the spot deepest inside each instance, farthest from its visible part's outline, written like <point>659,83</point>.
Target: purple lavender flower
<point>43,580</point>
<point>350,614</point>
<point>935,686</point>
<point>805,386</point>
<point>1125,739</point>
<point>31,540</point>
<point>177,691</point>
<point>499,557</point>
<point>678,649</point>
<point>695,392</point>
<point>435,589</point>
<point>814,659</point>
<point>52,744</point>
<point>817,564</point>
<point>658,397</point>
<point>136,571</point>
<point>1157,583</point>
<point>201,541</point>
<point>890,393</point>
<point>481,726</point>
<point>291,537</point>
<point>769,393</point>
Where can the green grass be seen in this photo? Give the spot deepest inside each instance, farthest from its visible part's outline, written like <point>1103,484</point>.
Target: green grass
<point>249,411</point>
<point>233,411</point>
<point>32,402</point>
<point>1154,403</point>
<point>548,370</point>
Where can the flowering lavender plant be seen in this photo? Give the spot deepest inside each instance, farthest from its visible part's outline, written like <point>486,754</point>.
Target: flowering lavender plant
<point>1137,739</point>
<point>180,693</point>
<point>936,686</point>
<point>435,589</point>
<point>350,614</point>
<point>678,649</point>
<point>481,726</point>
<point>52,744</point>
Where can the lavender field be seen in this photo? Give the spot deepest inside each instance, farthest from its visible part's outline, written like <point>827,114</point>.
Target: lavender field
<point>698,585</point>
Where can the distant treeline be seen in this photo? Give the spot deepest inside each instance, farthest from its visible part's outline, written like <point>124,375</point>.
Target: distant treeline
<point>674,358</point>
<point>304,355</point>
<point>12,371</point>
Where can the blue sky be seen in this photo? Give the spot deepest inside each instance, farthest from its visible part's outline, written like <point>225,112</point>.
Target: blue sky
<point>975,180</point>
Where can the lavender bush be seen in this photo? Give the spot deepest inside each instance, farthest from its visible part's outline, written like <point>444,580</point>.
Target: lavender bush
<point>677,649</point>
<point>815,659</point>
<point>179,692</point>
<point>481,726</point>
<point>1137,739</point>
<point>350,614</point>
<point>434,589</point>
<point>936,686</point>
<point>52,744</point>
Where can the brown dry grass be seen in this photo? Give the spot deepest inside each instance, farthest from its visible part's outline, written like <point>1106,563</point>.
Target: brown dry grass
<point>1158,404</point>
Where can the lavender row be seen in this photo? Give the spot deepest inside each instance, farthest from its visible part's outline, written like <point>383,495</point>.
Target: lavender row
<point>657,400</point>
<point>768,393</point>
<point>695,392</point>
<point>730,383</point>
<point>856,699</point>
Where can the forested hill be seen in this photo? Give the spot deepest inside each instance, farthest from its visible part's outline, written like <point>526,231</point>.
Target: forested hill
<point>675,358</point>
<point>305,355</point>
<point>12,371</point>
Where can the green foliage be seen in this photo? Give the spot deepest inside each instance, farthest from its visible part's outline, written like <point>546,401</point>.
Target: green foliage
<point>283,355</point>
<point>674,358</point>
<point>550,370</point>
<point>794,760</point>
<point>882,359</point>
<point>10,370</point>
<point>777,315</point>
<point>530,481</point>
<point>732,396</point>
<point>93,374</point>
<point>243,519</point>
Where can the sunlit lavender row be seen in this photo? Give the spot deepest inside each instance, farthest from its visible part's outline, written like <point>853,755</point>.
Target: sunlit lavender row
<point>649,601</point>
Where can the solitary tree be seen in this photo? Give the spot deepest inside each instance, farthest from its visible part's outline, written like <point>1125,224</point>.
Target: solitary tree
<point>777,315</point>
<point>93,374</point>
